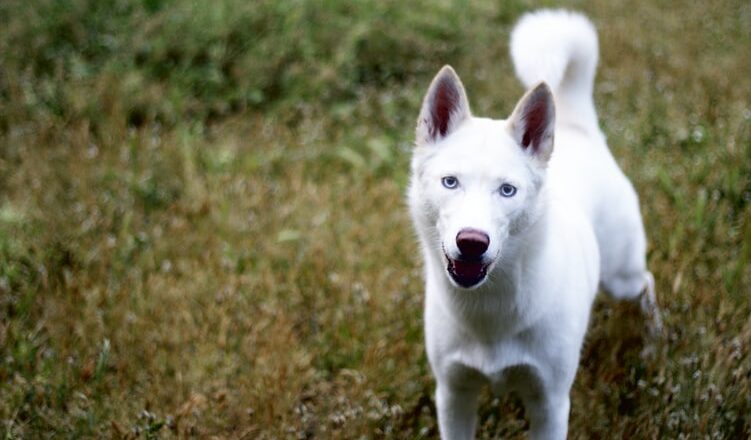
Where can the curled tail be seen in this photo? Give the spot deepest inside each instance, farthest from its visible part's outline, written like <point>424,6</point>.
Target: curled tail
<point>560,48</point>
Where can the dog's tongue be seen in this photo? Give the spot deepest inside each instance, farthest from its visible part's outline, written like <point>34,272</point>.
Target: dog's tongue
<point>468,270</point>
<point>466,273</point>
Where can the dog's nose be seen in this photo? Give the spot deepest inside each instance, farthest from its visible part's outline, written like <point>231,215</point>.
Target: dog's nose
<point>472,243</point>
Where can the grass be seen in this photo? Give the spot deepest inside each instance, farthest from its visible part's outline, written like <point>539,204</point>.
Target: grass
<point>203,233</point>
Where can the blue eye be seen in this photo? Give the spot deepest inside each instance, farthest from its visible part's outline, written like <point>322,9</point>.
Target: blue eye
<point>507,190</point>
<point>450,182</point>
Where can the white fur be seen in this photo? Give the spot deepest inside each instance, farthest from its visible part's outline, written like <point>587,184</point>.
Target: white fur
<point>559,48</point>
<point>573,223</point>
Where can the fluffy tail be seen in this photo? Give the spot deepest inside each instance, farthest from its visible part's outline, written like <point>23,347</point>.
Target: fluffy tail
<point>560,48</point>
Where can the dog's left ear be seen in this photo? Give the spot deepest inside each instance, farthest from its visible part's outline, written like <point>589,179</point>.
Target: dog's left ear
<point>532,123</point>
<point>445,106</point>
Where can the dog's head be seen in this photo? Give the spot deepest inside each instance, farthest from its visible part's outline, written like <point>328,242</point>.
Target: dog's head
<point>477,183</point>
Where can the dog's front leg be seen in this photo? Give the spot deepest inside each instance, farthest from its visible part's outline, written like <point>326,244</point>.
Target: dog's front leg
<point>548,415</point>
<point>457,411</point>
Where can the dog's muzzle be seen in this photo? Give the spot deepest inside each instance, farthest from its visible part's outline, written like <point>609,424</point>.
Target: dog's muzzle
<point>469,269</point>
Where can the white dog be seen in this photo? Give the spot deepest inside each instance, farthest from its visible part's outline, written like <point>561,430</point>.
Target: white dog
<point>517,235</point>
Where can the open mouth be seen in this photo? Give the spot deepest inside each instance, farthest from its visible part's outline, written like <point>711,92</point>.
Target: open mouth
<point>467,273</point>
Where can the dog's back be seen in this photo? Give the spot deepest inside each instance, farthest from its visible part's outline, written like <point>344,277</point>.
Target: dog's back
<point>560,48</point>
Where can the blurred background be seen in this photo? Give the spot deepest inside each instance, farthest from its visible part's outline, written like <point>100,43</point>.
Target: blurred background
<point>203,233</point>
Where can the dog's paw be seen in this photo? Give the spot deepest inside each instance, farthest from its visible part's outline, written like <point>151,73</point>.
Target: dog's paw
<point>650,309</point>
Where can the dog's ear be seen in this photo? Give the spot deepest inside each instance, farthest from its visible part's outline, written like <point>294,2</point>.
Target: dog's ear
<point>532,123</point>
<point>443,109</point>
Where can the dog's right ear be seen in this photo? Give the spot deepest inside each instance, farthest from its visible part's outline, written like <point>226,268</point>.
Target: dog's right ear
<point>443,109</point>
<point>532,124</point>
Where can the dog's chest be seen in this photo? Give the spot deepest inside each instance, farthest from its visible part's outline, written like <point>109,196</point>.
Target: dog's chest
<point>509,364</point>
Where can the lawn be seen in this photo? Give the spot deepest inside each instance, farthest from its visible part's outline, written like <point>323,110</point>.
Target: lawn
<point>203,229</point>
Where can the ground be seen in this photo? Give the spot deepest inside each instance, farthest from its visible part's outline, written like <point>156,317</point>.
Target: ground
<point>203,229</point>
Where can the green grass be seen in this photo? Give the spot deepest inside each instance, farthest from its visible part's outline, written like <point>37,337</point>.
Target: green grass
<point>203,232</point>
